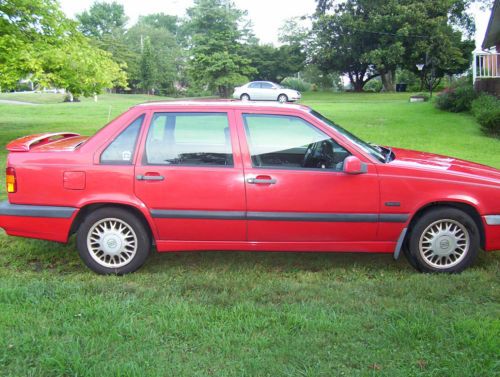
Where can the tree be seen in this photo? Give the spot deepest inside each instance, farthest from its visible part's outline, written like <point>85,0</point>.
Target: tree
<point>368,38</point>
<point>37,40</point>
<point>161,21</point>
<point>168,58</point>
<point>82,69</point>
<point>217,30</point>
<point>338,46</point>
<point>275,63</point>
<point>148,72</point>
<point>102,18</point>
<point>26,29</point>
<point>105,24</point>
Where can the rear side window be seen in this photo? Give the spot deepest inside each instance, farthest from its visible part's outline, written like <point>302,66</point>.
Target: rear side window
<point>121,150</point>
<point>191,139</point>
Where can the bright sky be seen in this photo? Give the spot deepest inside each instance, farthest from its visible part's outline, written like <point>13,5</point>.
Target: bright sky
<point>267,16</point>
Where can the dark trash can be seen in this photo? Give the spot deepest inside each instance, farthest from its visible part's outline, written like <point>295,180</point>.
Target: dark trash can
<point>401,87</point>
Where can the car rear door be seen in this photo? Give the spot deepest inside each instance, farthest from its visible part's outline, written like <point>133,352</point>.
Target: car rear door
<point>292,201</point>
<point>190,175</point>
<point>268,91</point>
<point>255,91</point>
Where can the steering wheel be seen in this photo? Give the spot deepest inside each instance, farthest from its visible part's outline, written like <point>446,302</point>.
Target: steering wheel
<point>319,155</point>
<point>309,155</point>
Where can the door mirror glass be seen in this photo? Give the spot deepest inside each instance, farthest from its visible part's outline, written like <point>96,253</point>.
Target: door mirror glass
<point>353,165</point>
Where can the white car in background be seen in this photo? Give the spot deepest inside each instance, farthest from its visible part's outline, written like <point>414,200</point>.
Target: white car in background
<point>265,91</point>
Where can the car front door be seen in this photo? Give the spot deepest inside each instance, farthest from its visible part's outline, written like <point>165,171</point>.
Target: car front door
<point>190,176</point>
<point>296,189</point>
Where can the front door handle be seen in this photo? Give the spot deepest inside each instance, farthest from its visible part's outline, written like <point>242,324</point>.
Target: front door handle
<point>150,177</point>
<point>265,181</point>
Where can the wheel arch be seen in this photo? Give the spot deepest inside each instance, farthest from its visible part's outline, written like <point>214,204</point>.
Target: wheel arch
<point>465,207</point>
<point>84,211</point>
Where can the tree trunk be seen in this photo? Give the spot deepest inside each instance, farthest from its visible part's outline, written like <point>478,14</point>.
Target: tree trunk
<point>358,86</point>
<point>388,78</point>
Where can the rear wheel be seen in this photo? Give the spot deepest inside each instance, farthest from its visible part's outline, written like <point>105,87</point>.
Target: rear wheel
<point>113,241</point>
<point>443,240</point>
<point>282,98</point>
<point>245,97</point>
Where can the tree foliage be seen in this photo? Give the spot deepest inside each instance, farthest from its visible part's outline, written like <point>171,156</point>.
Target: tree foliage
<point>38,41</point>
<point>153,43</point>
<point>217,32</point>
<point>102,18</point>
<point>275,63</point>
<point>369,38</point>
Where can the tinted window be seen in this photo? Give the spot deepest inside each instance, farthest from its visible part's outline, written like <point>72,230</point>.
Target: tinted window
<point>189,139</point>
<point>266,85</point>
<point>278,141</point>
<point>121,150</point>
<point>254,85</point>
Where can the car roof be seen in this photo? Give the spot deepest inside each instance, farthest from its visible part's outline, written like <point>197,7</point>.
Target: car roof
<point>229,104</point>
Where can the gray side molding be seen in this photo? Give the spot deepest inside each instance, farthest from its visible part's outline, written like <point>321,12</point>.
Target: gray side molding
<point>280,216</point>
<point>8,209</point>
<point>189,214</point>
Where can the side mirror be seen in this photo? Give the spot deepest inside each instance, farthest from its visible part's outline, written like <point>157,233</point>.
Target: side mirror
<point>353,165</point>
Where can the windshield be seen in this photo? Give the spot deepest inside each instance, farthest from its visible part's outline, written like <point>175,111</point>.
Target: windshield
<point>372,150</point>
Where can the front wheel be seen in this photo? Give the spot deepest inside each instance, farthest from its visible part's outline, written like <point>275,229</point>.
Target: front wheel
<point>282,98</point>
<point>443,240</point>
<point>113,241</point>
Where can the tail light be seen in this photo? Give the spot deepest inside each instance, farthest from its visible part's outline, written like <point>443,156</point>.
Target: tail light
<point>10,177</point>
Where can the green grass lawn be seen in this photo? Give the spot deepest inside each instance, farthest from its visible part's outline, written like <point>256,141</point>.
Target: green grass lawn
<point>252,314</point>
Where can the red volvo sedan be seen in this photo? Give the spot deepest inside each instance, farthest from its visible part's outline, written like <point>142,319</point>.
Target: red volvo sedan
<point>230,175</point>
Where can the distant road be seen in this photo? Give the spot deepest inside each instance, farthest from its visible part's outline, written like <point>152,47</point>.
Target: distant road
<point>9,102</point>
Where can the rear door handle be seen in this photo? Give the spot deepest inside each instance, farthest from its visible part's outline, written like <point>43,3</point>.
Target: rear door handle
<point>150,177</point>
<point>267,181</point>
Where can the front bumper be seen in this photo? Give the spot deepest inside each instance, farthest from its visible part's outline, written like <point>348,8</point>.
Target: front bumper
<point>492,232</point>
<point>50,223</point>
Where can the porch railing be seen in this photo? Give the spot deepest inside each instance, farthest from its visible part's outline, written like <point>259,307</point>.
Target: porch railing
<point>486,65</point>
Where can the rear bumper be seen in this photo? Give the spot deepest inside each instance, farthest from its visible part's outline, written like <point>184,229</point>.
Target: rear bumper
<point>50,223</point>
<point>492,232</point>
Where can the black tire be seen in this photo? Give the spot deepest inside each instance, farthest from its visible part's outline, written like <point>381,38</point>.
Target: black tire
<point>245,97</point>
<point>433,247</point>
<point>282,98</point>
<point>134,232</point>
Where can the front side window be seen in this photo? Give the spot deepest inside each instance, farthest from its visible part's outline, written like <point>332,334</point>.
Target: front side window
<point>279,141</point>
<point>192,139</point>
<point>121,150</point>
<point>267,85</point>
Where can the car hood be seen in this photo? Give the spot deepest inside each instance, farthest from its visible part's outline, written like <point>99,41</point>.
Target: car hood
<point>444,164</point>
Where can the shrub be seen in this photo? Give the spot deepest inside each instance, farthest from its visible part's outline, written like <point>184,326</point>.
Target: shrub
<point>295,83</point>
<point>456,99</point>
<point>486,109</point>
<point>373,86</point>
